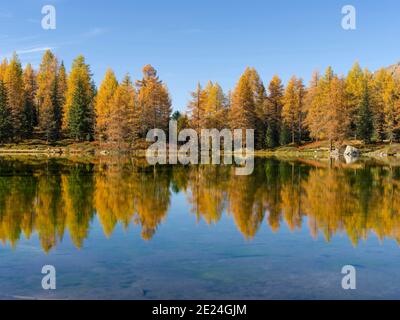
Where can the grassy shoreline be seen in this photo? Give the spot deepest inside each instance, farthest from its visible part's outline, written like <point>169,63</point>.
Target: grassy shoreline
<point>68,147</point>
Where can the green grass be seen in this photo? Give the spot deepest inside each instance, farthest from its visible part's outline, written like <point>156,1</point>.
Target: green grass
<point>386,150</point>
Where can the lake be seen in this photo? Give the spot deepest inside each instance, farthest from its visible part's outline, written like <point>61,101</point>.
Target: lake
<point>118,229</point>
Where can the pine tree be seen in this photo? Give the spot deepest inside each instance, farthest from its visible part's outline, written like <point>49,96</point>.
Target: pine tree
<point>182,119</point>
<point>260,98</point>
<point>6,129</point>
<point>3,69</point>
<point>176,116</point>
<point>214,107</point>
<point>103,103</point>
<point>338,115</point>
<point>390,97</point>
<point>13,81</point>
<point>47,118</point>
<point>123,120</point>
<point>317,117</point>
<point>285,136</point>
<point>243,109</point>
<point>378,83</point>
<point>293,108</point>
<point>79,118</point>
<point>183,122</point>
<point>154,102</point>
<point>311,104</point>
<point>328,114</point>
<point>48,100</point>
<point>365,117</point>
<point>354,95</point>
<point>274,105</point>
<point>301,108</point>
<point>269,141</point>
<point>289,110</point>
<point>29,118</point>
<point>79,115</point>
<point>196,108</point>
<point>61,91</point>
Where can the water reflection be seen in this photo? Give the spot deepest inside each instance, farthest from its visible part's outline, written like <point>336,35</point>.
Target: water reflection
<point>53,196</point>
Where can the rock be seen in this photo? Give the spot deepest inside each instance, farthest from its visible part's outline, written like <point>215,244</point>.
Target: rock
<point>351,152</point>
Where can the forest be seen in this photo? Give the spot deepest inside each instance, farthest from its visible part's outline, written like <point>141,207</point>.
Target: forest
<point>52,104</point>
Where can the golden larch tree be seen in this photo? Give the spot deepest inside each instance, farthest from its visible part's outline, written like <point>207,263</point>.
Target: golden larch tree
<point>242,113</point>
<point>30,113</point>
<point>196,108</point>
<point>154,101</point>
<point>123,115</point>
<point>103,103</point>
<point>13,80</point>
<point>294,108</point>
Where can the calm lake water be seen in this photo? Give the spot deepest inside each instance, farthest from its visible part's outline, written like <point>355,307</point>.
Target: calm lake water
<point>117,229</point>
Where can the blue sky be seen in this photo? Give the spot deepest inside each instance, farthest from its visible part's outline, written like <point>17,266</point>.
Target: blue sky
<point>189,41</point>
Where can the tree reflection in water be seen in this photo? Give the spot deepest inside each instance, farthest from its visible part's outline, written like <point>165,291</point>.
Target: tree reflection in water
<point>53,196</point>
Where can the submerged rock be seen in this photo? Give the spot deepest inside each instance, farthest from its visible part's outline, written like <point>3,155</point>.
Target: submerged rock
<point>349,159</point>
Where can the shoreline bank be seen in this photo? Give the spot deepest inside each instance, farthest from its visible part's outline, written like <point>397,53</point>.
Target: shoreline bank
<point>93,149</point>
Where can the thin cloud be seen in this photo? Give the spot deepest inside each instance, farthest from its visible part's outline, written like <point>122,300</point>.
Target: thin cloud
<point>23,52</point>
<point>34,50</point>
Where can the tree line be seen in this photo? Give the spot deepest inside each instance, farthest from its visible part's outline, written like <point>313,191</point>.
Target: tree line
<point>52,104</point>
<point>361,105</point>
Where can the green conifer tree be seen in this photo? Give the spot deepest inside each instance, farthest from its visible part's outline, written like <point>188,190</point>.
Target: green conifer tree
<point>6,129</point>
<point>365,125</point>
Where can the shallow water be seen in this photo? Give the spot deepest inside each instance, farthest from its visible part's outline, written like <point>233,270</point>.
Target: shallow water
<point>117,229</point>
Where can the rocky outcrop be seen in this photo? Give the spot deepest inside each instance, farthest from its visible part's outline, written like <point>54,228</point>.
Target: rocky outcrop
<point>351,152</point>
